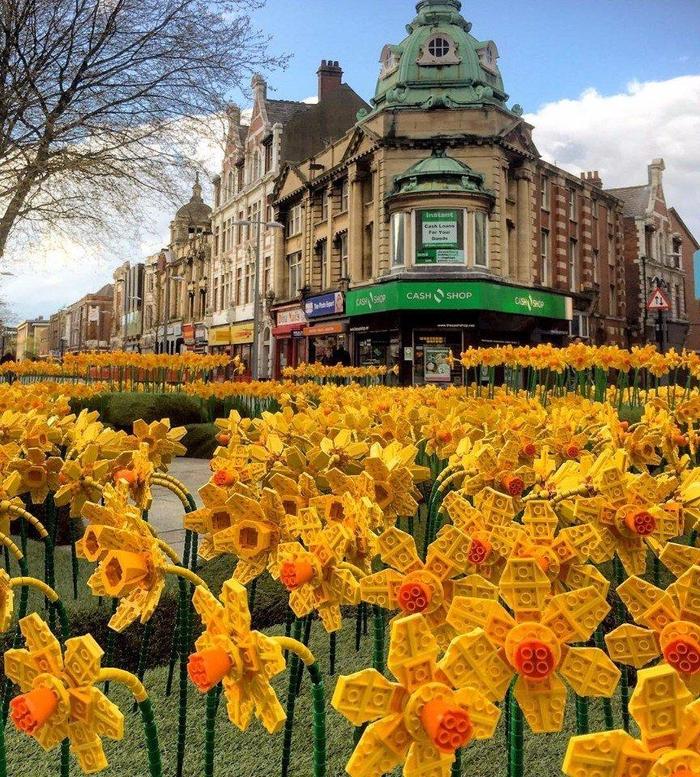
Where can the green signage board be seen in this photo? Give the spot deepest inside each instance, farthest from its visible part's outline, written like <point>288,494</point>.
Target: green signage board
<point>456,295</point>
<point>440,236</point>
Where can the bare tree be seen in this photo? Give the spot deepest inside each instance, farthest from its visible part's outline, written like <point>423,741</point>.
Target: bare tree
<point>99,100</point>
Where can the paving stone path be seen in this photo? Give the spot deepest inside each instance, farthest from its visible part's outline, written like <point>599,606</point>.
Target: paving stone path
<point>166,513</point>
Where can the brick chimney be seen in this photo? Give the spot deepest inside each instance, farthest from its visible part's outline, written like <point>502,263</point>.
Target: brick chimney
<point>330,77</point>
<point>593,178</point>
<point>656,173</point>
<point>259,85</point>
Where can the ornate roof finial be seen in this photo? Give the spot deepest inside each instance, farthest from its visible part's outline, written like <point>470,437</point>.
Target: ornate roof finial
<point>196,189</point>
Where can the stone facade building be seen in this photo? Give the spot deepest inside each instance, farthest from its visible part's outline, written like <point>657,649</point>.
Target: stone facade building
<point>89,322</point>
<point>127,312</point>
<point>32,339</point>
<point>280,131</point>
<point>657,256</point>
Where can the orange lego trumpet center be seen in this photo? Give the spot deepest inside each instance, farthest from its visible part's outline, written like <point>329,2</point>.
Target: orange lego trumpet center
<point>448,726</point>
<point>207,668</point>
<point>683,655</point>
<point>295,573</point>
<point>414,596</point>
<point>125,474</point>
<point>513,484</point>
<point>223,478</point>
<point>572,451</point>
<point>641,522</point>
<point>31,710</point>
<point>478,551</point>
<point>529,449</point>
<point>534,659</point>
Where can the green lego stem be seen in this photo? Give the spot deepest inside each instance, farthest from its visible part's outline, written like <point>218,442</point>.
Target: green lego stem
<point>291,699</point>
<point>358,625</point>
<point>174,648</point>
<point>59,607</point>
<point>378,648</point>
<point>73,558</point>
<point>65,758</point>
<point>333,637</point>
<point>111,640</point>
<point>143,652</point>
<point>693,538</point>
<point>581,714</point>
<point>209,731</point>
<point>457,764</point>
<point>319,721</point>
<point>3,753</point>
<point>184,604</point>
<point>305,641</point>
<point>607,703</point>
<point>516,761</point>
<point>620,619</point>
<point>656,565</point>
<point>150,731</point>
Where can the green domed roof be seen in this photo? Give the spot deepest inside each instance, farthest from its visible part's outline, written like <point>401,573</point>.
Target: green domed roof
<point>440,64</point>
<point>439,173</point>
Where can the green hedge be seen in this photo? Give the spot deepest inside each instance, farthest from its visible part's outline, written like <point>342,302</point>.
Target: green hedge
<point>121,409</point>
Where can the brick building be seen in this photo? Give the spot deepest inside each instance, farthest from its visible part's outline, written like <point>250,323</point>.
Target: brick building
<point>89,322</point>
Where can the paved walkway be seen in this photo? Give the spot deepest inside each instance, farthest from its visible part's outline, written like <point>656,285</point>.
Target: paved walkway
<point>166,513</point>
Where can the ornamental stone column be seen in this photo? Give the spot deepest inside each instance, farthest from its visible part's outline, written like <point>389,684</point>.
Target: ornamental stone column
<point>524,177</point>
<point>355,225</point>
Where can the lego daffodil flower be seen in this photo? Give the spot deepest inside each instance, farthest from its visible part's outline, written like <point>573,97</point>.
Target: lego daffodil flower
<point>668,626</point>
<point>81,480</point>
<point>502,471</point>
<point>316,579</point>
<point>59,699</point>
<point>395,474</point>
<point>421,720</point>
<point>136,469</point>
<point>412,586</point>
<point>628,514</point>
<point>253,534</point>
<point>10,487</point>
<point>234,465</point>
<point>244,661</point>
<point>534,645</point>
<point>341,450</point>
<point>669,721</point>
<point>161,442</point>
<point>131,563</point>
<point>39,474</point>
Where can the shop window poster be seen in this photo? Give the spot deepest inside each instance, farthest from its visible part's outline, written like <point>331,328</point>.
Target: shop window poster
<point>440,238</point>
<point>436,368</point>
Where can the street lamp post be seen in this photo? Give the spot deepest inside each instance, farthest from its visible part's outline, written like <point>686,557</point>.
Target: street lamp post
<point>257,303</point>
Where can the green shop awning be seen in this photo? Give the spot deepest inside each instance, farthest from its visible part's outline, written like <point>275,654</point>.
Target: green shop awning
<point>457,295</point>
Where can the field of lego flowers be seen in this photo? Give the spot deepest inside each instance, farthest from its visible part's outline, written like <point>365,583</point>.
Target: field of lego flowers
<point>490,579</point>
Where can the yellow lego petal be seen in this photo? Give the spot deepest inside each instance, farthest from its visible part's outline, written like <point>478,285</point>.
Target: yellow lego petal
<point>382,747</point>
<point>543,703</point>
<point>44,648</point>
<point>344,586</point>
<point>633,555</point>
<point>425,760</point>
<point>524,587</point>
<point>589,672</point>
<point>209,610</point>
<point>447,554</point>
<point>82,660</point>
<point>413,652</point>
<point>632,645</point>
<point>657,704</point>
<point>467,613</point>
<point>638,595</point>
<point>267,706</point>
<point>247,570</point>
<point>607,754</point>
<point>475,585</point>
<point>21,668</point>
<point>330,616</point>
<point>472,661</point>
<point>575,615</point>
<point>483,714</point>
<point>366,696</point>
<point>689,738</point>
<point>381,588</point>
<point>87,748</point>
<point>103,716</point>
<point>51,734</point>
<point>398,550</point>
<point>234,598</point>
<point>584,575</point>
<point>679,558</point>
<point>239,703</point>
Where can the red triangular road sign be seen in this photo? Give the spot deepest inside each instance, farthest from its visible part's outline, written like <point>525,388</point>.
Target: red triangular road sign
<point>658,301</point>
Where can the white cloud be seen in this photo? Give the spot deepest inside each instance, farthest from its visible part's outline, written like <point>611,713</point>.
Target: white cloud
<point>619,135</point>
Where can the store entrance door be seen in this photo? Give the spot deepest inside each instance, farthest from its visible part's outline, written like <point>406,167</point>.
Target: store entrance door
<point>430,351</point>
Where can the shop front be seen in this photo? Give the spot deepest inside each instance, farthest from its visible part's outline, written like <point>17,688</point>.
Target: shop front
<point>220,339</point>
<point>289,339</point>
<point>200,338</point>
<point>417,324</point>
<point>242,336</point>
<point>327,333</point>
<point>188,336</point>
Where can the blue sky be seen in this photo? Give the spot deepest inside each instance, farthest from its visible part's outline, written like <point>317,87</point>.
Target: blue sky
<point>609,85</point>
<point>549,49</point>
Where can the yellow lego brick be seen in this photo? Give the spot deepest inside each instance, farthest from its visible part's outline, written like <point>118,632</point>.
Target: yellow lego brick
<point>606,754</point>
<point>330,615</point>
<point>524,587</point>
<point>43,647</point>
<point>540,521</point>
<point>475,585</point>
<point>486,461</point>
<point>413,652</point>
<point>657,704</point>
<point>382,747</point>
<point>583,538</point>
<point>381,588</point>
<point>81,660</point>
<point>679,558</point>
<point>687,590</point>
<point>689,738</point>
<point>632,645</point>
<point>504,539</point>
<point>472,661</point>
<point>447,554</point>
<point>668,524</point>
<point>633,555</point>
<point>660,613</point>
<point>483,714</point>
<point>344,586</point>
<point>398,550</point>
<point>611,483</point>
<point>638,596</point>
<point>366,696</point>
<point>604,550</point>
<point>467,613</point>
<point>575,615</point>
<point>583,575</point>
<point>543,703</point>
<point>589,672</point>
<point>462,514</point>
<point>425,758</point>
<point>497,509</point>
